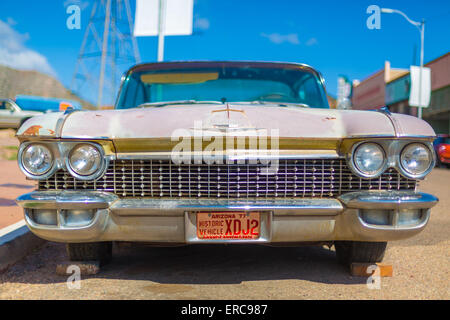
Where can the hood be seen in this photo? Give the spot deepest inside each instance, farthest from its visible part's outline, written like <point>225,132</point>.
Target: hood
<point>234,119</point>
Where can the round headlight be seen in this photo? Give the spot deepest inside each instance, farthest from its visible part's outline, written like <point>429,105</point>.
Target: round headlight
<point>369,159</point>
<point>37,159</point>
<point>416,158</point>
<point>85,159</point>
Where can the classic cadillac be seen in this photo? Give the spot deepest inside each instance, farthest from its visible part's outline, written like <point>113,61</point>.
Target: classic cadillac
<point>226,152</point>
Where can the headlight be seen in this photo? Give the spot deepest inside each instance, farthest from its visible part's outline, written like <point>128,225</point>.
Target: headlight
<point>85,160</point>
<point>416,158</point>
<point>37,159</point>
<point>369,159</point>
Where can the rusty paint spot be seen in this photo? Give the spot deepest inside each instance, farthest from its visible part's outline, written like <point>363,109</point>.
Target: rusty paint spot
<point>98,115</point>
<point>36,130</point>
<point>32,131</point>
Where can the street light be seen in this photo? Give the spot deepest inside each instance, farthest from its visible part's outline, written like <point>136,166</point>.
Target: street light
<point>421,27</point>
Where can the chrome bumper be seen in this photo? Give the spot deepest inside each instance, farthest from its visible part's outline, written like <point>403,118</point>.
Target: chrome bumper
<point>358,216</point>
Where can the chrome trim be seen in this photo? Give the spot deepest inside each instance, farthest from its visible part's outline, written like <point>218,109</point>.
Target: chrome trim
<point>302,207</point>
<point>297,178</point>
<point>60,151</point>
<point>98,173</point>
<point>385,136</point>
<point>323,154</point>
<point>61,120</point>
<point>362,231</point>
<point>174,221</point>
<point>385,110</point>
<point>426,172</point>
<point>55,160</point>
<point>392,149</point>
<point>355,168</point>
<point>389,200</point>
<point>66,200</point>
<point>62,233</point>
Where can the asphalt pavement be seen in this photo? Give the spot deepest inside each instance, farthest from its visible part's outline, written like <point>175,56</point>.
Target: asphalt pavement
<point>421,269</point>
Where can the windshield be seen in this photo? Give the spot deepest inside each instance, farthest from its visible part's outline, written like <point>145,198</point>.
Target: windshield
<point>222,83</point>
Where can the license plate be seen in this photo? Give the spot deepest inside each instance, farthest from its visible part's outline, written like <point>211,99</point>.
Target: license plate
<point>228,225</point>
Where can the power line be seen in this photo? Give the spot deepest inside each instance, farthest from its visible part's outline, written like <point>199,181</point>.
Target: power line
<point>106,44</point>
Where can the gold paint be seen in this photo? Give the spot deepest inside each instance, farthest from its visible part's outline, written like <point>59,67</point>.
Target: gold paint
<point>174,78</point>
<point>166,145</point>
<point>107,145</point>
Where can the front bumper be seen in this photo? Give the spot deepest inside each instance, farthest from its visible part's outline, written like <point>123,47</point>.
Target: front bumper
<point>100,216</point>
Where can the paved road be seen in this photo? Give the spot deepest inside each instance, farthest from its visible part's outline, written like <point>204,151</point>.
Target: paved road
<point>421,269</point>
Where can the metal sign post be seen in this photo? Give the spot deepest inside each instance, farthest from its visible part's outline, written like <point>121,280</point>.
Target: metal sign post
<point>163,18</point>
<point>161,29</point>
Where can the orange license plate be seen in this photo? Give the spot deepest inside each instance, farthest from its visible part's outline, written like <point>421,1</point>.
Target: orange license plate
<point>228,225</point>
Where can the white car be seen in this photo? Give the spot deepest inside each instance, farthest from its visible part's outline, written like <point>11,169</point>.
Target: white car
<point>12,116</point>
<point>343,177</point>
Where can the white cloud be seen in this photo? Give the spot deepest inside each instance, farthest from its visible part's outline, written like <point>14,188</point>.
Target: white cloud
<point>277,38</point>
<point>11,21</point>
<point>14,53</point>
<point>312,42</point>
<point>201,23</point>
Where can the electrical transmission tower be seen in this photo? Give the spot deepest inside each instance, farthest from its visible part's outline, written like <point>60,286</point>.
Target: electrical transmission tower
<point>108,48</point>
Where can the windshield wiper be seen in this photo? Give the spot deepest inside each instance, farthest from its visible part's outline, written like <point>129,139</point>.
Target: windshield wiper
<point>281,104</point>
<point>167,103</point>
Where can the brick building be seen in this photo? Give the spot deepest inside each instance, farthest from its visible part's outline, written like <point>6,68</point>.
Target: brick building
<point>391,87</point>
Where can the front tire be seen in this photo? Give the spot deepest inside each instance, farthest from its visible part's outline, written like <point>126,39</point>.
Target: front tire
<point>348,252</point>
<point>97,251</point>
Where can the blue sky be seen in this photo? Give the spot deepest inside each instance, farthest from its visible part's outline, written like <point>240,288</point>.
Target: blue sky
<point>330,35</point>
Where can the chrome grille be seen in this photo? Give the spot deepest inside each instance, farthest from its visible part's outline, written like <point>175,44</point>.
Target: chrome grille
<point>294,178</point>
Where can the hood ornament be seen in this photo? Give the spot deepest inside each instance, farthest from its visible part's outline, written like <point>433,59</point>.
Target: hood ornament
<point>227,110</point>
<point>229,125</point>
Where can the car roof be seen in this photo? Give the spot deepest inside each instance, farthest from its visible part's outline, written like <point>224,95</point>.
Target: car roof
<point>215,64</point>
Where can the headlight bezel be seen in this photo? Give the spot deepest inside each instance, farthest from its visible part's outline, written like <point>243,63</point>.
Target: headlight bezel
<point>409,174</point>
<point>100,170</point>
<point>358,171</point>
<point>29,174</point>
<point>393,148</point>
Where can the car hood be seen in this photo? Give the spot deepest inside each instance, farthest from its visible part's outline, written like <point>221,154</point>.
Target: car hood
<point>232,119</point>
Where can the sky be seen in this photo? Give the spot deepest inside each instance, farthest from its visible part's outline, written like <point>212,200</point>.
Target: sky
<point>330,35</point>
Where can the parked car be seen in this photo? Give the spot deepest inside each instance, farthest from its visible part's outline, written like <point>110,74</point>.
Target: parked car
<point>13,113</point>
<point>442,148</point>
<point>226,152</point>
<point>12,116</point>
<point>45,104</point>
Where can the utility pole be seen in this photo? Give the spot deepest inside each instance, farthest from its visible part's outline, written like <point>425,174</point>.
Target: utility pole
<point>108,47</point>
<point>422,39</point>
<point>161,29</point>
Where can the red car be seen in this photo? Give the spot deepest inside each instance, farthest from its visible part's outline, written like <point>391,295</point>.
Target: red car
<point>442,147</point>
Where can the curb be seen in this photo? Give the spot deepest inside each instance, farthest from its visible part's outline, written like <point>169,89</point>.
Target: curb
<point>16,241</point>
